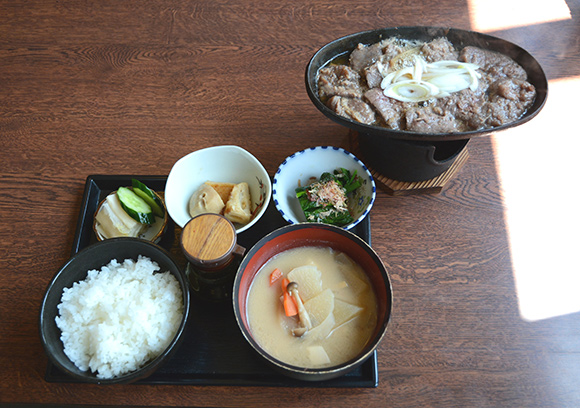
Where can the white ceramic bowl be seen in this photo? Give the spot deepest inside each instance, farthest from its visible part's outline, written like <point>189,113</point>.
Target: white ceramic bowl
<point>298,168</point>
<point>226,164</point>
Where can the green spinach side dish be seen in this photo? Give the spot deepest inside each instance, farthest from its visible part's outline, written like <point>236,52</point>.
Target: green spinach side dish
<point>326,199</point>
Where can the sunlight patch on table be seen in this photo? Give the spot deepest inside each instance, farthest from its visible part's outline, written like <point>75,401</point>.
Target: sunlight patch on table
<point>542,207</point>
<point>491,15</point>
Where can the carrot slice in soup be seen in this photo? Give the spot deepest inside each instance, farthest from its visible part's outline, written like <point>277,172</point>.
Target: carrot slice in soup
<point>275,275</point>
<point>289,305</point>
<point>285,283</point>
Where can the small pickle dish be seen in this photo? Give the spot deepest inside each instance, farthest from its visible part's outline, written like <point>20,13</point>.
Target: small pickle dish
<point>132,211</point>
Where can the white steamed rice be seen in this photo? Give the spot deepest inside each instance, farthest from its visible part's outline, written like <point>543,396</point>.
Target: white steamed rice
<point>120,317</point>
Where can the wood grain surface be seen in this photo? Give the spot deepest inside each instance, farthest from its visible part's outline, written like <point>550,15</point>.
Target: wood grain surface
<point>129,87</point>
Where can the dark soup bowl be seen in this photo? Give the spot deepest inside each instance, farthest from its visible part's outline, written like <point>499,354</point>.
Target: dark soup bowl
<point>418,155</point>
<point>338,242</point>
<point>74,274</point>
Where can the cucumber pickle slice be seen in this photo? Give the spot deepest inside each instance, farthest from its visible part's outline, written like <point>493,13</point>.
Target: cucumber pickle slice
<point>149,197</point>
<point>135,206</point>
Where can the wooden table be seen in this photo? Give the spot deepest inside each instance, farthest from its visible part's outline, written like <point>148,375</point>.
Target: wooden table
<point>485,274</point>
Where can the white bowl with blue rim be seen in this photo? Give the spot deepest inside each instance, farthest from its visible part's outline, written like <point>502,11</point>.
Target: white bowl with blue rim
<point>300,168</point>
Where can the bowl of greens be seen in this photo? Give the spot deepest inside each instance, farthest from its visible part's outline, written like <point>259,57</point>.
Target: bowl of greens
<point>324,184</point>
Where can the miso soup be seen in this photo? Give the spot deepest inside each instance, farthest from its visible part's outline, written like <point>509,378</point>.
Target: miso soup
<point>338,301</point>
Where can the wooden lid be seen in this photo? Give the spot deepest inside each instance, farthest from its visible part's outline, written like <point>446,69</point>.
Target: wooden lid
<point>208,240</point>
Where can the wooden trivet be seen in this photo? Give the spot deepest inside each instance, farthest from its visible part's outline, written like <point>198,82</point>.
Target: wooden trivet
<point>401,188</point>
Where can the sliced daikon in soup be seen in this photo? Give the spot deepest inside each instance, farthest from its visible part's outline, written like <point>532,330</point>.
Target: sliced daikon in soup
<point>309,280</point>
<point>343,311</point>
<point>322,331</point>
<point>318,355</point>
<point>320,307</point>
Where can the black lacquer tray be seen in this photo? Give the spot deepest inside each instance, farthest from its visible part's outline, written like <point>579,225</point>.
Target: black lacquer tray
<point>213,351</point>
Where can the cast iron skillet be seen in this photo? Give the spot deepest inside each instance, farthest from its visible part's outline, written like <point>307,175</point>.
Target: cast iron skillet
<point>460,39</point>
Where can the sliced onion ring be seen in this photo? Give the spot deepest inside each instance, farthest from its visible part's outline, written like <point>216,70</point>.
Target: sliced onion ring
<point>423,81</point>
<point>412,91</point>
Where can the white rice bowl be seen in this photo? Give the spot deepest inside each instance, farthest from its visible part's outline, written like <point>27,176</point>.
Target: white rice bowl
<point>119,318</point>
